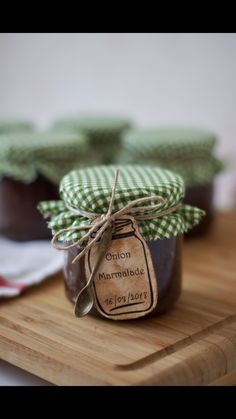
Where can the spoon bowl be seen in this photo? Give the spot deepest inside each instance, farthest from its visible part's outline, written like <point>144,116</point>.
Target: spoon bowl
<point>84,302</point>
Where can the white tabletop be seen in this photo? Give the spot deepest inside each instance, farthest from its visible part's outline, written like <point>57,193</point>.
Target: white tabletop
<point>13,376</point>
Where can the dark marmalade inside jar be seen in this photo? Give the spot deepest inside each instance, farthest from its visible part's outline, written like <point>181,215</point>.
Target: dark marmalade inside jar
<point>201,196</point>
<point>19,216</point>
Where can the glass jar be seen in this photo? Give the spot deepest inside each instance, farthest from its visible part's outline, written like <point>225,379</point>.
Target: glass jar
<point>139,274</point>
<point>103,132</point>
<point>31,167</point>
<point>189,152</point>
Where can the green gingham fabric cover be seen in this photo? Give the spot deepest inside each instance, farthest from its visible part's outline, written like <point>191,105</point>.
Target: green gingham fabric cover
<point>198,172</point>
<point>104,133</point>
<point>14,126</point>
<point>23,156</point>
<point>90,190</point>
<point>99,129</point>
<point>188,152</point>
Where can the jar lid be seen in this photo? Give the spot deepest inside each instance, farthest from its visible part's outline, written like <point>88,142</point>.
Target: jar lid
<point>89,191</point>
<point>96,127</point>
<point>14,126</point>
<point>25,155</point>
<point>169,143</point>
<point>186,151</point>
<point>199,172</point>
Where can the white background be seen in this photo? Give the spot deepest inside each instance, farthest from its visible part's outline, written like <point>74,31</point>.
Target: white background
<point>152,78</point>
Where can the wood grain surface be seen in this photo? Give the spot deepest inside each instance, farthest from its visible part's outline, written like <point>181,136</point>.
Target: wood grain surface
<point>193,344</point>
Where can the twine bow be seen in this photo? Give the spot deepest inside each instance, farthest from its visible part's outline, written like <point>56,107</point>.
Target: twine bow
<point>101,222</point>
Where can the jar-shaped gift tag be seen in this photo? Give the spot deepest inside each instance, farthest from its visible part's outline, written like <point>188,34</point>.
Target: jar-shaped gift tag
<point>125,284</point>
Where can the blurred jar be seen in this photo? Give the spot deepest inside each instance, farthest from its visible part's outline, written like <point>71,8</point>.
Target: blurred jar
<point>31,167</point>
<point>11,126</point>
<point>104,134</point>
<point>186,151</point>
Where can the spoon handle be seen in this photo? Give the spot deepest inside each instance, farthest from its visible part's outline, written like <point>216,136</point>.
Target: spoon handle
<point>102,248</point>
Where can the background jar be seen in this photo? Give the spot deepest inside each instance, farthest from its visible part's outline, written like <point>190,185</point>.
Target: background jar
<point>186,151</point>
<point>31,167</point>
<point>103,132</point>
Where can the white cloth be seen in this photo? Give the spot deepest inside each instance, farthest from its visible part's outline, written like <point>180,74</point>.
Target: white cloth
<point>23,264</point>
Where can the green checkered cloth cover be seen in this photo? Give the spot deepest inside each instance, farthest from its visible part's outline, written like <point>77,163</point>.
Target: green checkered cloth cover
<point>13,126</point>
<point>188,152</point>
<point>90,190</point>
<point>104,133</point>
<point>26,155</point>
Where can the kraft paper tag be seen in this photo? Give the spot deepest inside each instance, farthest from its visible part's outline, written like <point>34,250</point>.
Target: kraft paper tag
<point>125,285</point>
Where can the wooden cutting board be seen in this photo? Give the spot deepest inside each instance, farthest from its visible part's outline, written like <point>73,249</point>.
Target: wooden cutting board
<point>194,344</point>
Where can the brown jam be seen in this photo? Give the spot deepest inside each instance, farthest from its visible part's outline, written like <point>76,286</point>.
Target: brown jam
<point>19,218</point>
<point>166,256</point>
<point>201,196</point>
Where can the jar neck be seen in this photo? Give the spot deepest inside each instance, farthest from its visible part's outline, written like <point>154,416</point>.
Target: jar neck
<point>123,228</point>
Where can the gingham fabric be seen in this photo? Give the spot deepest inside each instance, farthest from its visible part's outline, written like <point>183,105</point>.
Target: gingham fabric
<point>196,172</point>
<point>90,190</point>
<point>104,133</point>
<point>14,126</point>
<point>23,156</point>
<point>187,152</point>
